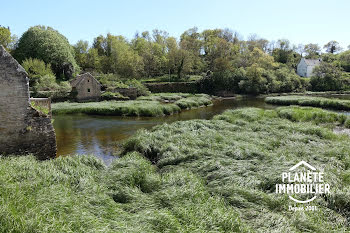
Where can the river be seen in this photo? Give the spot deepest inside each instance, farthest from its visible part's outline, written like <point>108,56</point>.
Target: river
<point>102,135</point>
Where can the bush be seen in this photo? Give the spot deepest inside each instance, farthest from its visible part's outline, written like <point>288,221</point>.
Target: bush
<point>254,80</point>
<point>141,89</point>
<point>113,96</point>
<point>36,68</point>
<point>327,77</point>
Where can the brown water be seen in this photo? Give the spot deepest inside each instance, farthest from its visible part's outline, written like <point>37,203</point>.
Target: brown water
<point>102,135</point>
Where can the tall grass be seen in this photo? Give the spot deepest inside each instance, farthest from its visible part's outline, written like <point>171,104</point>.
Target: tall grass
<point>149,106</point>
<point>80,194</point>
<point>117,108</point>
<point>321,102</point>
<point>189,176</point>
<point>241,154</point>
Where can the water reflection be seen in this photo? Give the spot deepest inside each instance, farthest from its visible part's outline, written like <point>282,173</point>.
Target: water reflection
<point>102,135</point>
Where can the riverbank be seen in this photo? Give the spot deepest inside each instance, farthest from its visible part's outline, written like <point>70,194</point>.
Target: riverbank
<point>321,102</point>
<point>148,106</point>
<point>200,175</point>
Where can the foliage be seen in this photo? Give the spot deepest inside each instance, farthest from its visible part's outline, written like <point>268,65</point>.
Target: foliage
<point>255,80</point>
<point>36,69</point>
<point>332,47</point>
<point>40,108</point>
<point>5,36</point>
<point>113,96</point>
<point>312,51</point>
<point>141,89</point>
<point>326,77</point>
<point>49,45</point>
<point>344,60</point>
<point>251,66</point>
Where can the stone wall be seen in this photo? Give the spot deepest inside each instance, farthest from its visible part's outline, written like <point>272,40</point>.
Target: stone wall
<point>23,130</point>
<point>87,88</point>
<point>42,104</point>
<point>185,87</point>
<point>127,92</point>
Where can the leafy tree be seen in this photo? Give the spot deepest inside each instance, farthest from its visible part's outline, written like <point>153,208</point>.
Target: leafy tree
<point>344,60</point>
<point>190,41</point>
<point>326,77</point>
<point>153,52</point>
<point>254,82</point>
<point>123,59</point>
<point>332,47</point>
<point>5,36</point>
<point>283,53</point>
<point>49,45</point>
<point>179,60</point>
<point>36,68</point>
<point>80,51</point>
<point>312,51</point>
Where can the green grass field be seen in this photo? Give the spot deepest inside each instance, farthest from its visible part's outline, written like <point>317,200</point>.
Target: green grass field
<point>189,176</point>
<point>149,106</point>
<point>321,102</point>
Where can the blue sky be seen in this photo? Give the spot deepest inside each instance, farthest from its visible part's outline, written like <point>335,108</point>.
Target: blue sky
<point>299,21</point>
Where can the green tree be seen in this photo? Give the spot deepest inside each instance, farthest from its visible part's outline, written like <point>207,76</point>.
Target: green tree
<point>179,60</point>
<point>153,52</point>
<point>49,45</point>
<point>123,59</point>
<point>332,47</point>
<point>80,51</point>
<point>36,68</point>
<point>344,60</point>
<point>326,77</point>
<point>312,51</point>
<point>5,36</point>
<point>191,42</point>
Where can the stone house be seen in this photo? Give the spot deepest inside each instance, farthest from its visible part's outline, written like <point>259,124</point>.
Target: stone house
<point>306,66</point>
<point>23,130</point>
<point>86,88</point>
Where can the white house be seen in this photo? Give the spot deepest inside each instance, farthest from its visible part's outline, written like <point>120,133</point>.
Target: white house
<point>306,66</point>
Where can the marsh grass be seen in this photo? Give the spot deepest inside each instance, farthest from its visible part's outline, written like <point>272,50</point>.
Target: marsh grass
<point>240,155</point>
<point>189,176</point>
<point>321,102</point>
<point>149,106</point>
<point>80,194</point>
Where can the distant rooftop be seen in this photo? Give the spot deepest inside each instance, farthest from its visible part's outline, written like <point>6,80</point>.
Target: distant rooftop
<point>312,62</point>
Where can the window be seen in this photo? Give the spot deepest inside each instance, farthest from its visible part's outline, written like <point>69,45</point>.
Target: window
<point>88,89</point>
<point>88,80</point>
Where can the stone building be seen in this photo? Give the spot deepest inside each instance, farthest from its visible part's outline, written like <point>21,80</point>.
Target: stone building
<point>23,129</point>
<point>86,88</point>
<point>306,66</point>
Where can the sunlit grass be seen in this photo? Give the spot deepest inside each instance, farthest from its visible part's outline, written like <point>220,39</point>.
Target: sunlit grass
<point>320,102</point>
<point>189,176</point>
<point>150,106</point>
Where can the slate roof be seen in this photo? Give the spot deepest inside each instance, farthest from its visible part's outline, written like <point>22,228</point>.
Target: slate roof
<point>75,82</point>
<point>312,62</point>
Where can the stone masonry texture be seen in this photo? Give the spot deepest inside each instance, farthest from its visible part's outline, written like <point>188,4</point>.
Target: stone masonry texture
<point>23,130</point>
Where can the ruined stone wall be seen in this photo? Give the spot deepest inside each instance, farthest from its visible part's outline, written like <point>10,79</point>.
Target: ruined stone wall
<point>23,130</point>
<point>127,92</point>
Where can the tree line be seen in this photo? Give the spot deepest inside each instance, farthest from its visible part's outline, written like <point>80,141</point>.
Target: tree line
<point>221,56</point>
